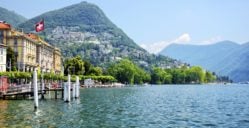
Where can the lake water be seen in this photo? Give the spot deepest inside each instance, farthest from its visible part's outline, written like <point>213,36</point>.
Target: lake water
<point>146,107</point>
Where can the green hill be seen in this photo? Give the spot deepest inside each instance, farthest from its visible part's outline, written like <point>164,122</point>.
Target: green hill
<point>11,17</point>
<point>85,30</point>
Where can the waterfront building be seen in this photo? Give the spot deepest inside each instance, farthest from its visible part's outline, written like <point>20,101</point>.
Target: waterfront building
<point>57,60</point>
<point>3,30</point>
<point>30,50</point>
<point>2,57</point>
<point>24,49</point>
<point>45,54</point>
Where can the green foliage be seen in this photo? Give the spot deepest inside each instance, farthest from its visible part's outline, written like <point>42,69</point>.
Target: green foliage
<point>123,71</point>
<point>195,75</point>
<point>127,72</point>
<point>209,77</point>
<point>103,79</point>
<point>160,76</point>
<point>182,75</point>
<point>95,71</point>
<point>11,58</point>
<point>141,76</point>
<point>178,75</point>
<point>16,75</point>
<point>74,66</point>
<point>87,66</point>
<point>28,75</point>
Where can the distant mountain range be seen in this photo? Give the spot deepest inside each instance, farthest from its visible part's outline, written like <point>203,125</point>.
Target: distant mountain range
<point>11,17</point>
<point>83,29</point>
<point>224,58</point>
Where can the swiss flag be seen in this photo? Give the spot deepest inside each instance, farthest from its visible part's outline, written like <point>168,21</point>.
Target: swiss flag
<point>39,26</point>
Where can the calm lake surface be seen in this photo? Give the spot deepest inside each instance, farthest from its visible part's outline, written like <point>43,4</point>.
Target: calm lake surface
<point>147,107</point>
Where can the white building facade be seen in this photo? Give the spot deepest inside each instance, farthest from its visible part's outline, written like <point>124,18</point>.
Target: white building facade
<point>2,58</point>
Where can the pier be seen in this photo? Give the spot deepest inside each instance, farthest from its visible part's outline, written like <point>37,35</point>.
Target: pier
<point>26,91</point>
<point>37,90</point>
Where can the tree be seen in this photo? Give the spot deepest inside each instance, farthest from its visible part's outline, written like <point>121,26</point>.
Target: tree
<point>141,76</point>
<point>195,75</point>
<point>181,75</point>
<point>178,76</point>
<point>87,66</point>
<point>160,76</point>
<point>11,59</point>
<point>127,72</point>
<point>209,77</point>
<point>123,71</point>
<point>97,71</point>
<point>74,66</point>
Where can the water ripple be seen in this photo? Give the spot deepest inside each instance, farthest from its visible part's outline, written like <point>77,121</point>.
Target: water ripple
<point>154,107</point>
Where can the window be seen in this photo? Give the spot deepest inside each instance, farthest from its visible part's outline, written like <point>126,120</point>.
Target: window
<point>1,59</point>
<point>1,37</point>
<point>15,41</point>
<point>1,51</point>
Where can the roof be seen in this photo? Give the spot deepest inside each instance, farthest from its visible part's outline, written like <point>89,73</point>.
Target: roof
<point>17,34</point>
<point>37,38</point>
<point>33,36</point>
<point>4,26</point>
<point>29,36</point>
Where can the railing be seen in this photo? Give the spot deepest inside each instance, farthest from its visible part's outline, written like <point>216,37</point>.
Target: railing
<point>54,85</point>
<point>29,88</point>
<point>19,88</point>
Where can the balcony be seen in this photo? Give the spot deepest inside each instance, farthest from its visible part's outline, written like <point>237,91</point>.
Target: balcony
<point>30,55</point>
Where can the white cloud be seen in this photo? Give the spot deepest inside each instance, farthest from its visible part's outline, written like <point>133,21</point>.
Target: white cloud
<point>211,40</point>
<point>183,38</point>
<point>159,46</point>
<point>155,47</point>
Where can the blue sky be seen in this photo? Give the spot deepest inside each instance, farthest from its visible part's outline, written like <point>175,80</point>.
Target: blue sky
<point>158,23</point>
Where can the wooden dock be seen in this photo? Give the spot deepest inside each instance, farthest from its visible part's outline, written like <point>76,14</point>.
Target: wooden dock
<point>26,91</point>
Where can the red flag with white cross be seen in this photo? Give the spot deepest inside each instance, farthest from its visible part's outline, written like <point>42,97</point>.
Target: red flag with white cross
<point>39,26</point>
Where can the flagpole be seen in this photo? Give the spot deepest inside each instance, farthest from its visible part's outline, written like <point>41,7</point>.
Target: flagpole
<point>44,34</point>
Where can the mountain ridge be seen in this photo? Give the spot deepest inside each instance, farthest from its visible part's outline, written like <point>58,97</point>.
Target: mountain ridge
<point>11,17</point>
<point>224,58</point>
<point>84,29</point>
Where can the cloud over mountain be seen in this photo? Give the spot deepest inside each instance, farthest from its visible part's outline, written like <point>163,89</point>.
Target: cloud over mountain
<point>158,46</point>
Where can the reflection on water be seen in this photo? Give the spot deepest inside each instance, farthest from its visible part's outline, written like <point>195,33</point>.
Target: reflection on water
<point>153,106</point>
